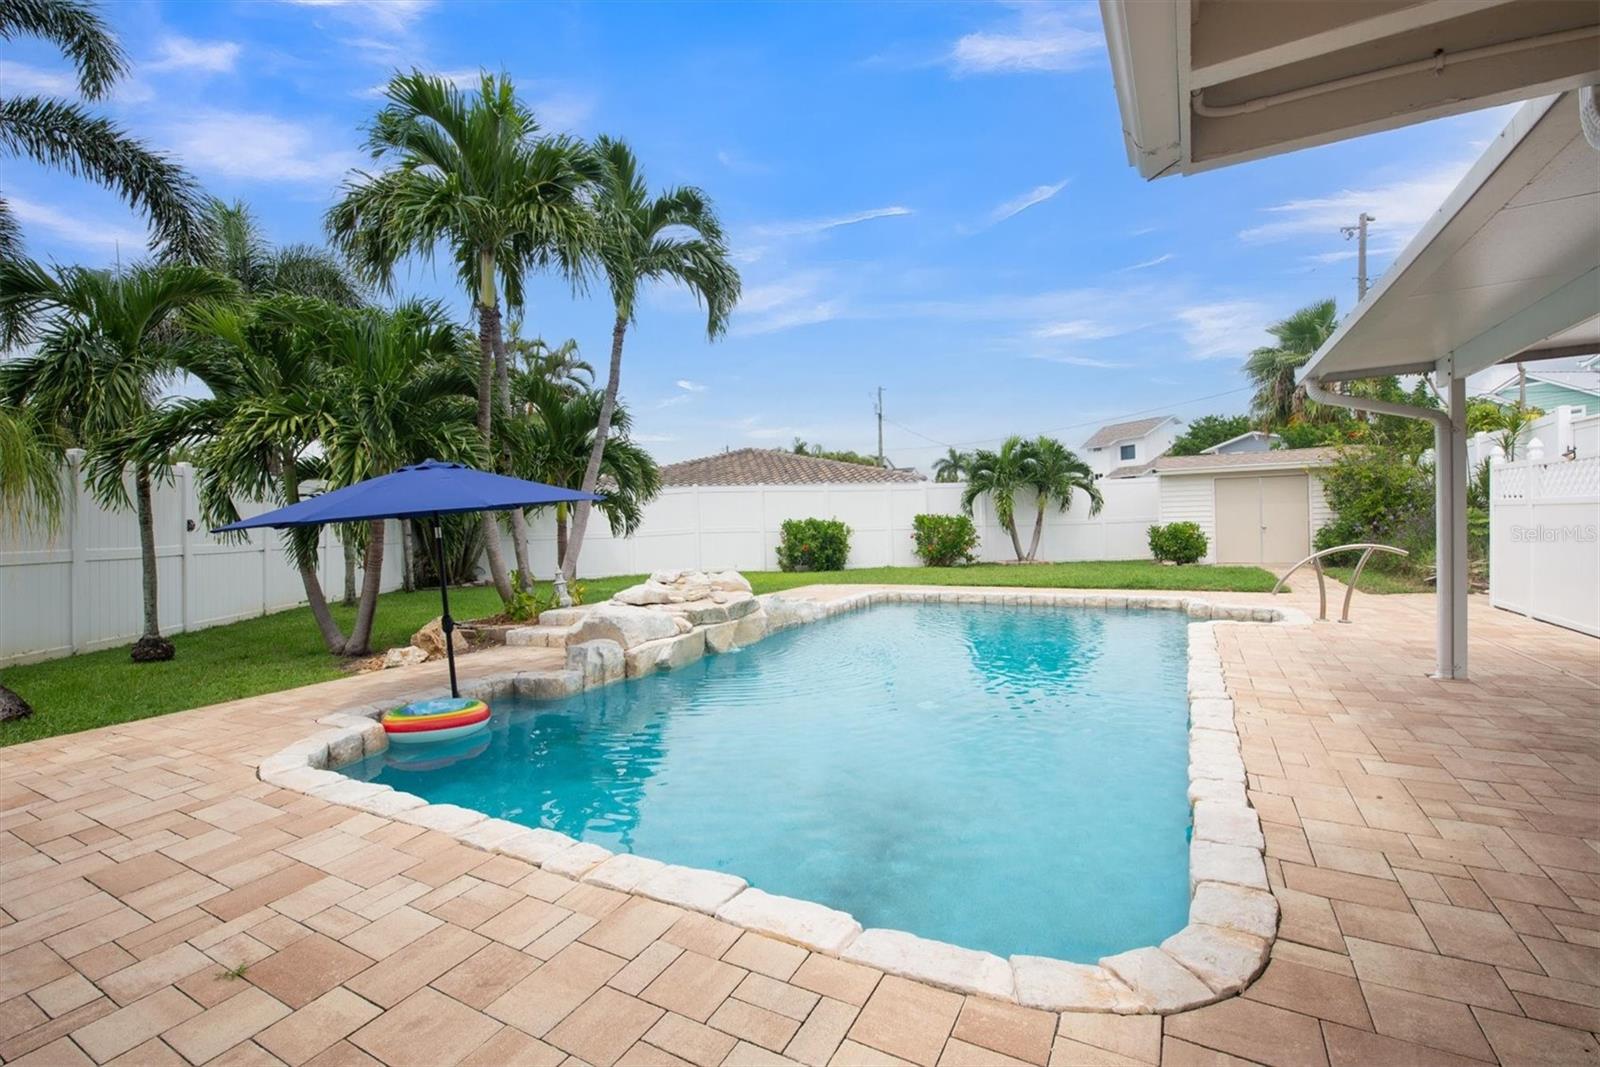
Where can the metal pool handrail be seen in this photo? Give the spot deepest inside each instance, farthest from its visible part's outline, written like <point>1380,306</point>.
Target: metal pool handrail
<point>1315,559</point>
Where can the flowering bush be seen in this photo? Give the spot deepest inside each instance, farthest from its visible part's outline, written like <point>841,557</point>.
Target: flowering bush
<point>944,540</point>
<point>814,545</point>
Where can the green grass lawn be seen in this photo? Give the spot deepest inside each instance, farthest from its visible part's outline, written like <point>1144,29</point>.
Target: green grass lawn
<point>1373,581</point>
<point>284,650</point>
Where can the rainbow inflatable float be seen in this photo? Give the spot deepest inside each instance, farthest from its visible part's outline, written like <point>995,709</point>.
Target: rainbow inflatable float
<point>436,720</point>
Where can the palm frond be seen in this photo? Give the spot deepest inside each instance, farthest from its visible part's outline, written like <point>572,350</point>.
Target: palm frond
<point>77,30</point>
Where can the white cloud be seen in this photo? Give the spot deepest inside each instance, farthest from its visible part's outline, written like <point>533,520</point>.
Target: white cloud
<point>1078,330</point>
<point>22,78</point>
<point>1228,329</point>
<point>1018,204</point>
<point>1079,361</point>
<point>391,15</point>
<point>1400,208</point>
<point>186,53</point>
<point>1146,264</point>
<point>797,300</point>
<point>564,111</point>
<point>1038,39</point>
<point>651,438</point>
<point>690,387</point>
<point>807,227</point>
<point>739,163</point>
<point>257,146</point>
<point>75,229</point>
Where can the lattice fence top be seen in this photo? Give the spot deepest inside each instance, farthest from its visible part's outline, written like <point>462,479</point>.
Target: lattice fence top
<point>1571,479</point>
<point>1510,481</point>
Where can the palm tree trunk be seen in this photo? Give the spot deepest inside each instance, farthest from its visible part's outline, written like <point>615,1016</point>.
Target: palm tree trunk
<point>1016,542</point>
<point>591,473</point>
<point>408,567</point>
<point>360,643</point>
<point>332,635</point>
<point>561,534</point>
<point>349,570</point>
<point>519,521</point>
<point>488,342</point>
<point>1038,529</point>
<point>147,550</point>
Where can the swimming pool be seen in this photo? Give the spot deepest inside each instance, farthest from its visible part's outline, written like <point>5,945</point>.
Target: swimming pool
<point>1010,779</point>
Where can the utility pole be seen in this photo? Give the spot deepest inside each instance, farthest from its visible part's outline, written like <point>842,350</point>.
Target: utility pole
<point>1359,232</point>
<point>879,409</point>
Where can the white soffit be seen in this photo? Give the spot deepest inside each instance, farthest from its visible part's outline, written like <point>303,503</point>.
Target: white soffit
<point>1207,83</point>
<point>1509,265</point>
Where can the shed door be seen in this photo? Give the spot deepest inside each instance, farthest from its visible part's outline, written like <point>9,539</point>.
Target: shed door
<point>1263,519</point>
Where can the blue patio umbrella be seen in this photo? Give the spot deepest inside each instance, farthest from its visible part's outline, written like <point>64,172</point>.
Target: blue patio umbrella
<point>427,490</point>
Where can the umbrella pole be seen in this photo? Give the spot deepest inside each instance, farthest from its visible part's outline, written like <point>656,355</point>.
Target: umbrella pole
<point>445,621</point>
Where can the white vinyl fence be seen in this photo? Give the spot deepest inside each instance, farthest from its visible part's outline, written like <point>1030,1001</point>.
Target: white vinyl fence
<point>719,527</point>
<point>1544,532</point>
<point>81,590</point>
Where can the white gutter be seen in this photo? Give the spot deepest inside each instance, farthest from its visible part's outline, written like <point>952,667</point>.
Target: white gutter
<point>1450,510</point>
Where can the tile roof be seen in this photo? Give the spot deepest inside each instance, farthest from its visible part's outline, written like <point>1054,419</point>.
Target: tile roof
<point>1277,457</point>
<point>771,466</point>
<point>1124,431</point>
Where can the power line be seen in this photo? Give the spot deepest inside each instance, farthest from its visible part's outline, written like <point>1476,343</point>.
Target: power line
<point>1076,425</point>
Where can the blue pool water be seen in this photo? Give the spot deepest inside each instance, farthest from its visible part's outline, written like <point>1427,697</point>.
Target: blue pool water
<point>1007,779</point>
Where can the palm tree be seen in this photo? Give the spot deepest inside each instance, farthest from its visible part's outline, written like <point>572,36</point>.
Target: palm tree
<point>561,365</point>
<point>1055,473</point>
<point>674,237</point>
<point>1278,401</point>
<point>1001,475</point>
<point>557,435</point>
<point>236,247</point>
<point>253,437</point>
<point>951,466</point>
<point>400,390</point>
<point>471,171</point>
<point>107,344</point>
<point>30,469</point>
<point>56,133</point>
<point>1510,423</point>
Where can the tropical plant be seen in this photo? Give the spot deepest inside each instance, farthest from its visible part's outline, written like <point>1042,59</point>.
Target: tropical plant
<point>674,238</point>
<point>952,466</point>
<point>1054,473</point>
<point>1508,423</point>
<point>1208,430</point>
<point>30,470</point>
<point>1278,401</point>
<point>555,431</point>
<point>254,436</point>
<point>561,365</point>
<point>60,134</point>
<point>1000,475</point>
<point>838,455</point>
<point>944,540</point>
<point>1379,494</point>
<point>105,344</point>
<point>471,171</point>
<point>236,247</point>
<point>813,545</point>
<point>1178,542</point>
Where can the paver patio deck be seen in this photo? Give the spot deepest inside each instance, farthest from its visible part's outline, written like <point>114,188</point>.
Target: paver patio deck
<point>1434,847</point>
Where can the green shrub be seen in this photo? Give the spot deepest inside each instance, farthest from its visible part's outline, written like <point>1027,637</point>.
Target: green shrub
<point>944,540</point>
<point>1177,542</point>
<point>1378,495</point>
<point>814,545</point>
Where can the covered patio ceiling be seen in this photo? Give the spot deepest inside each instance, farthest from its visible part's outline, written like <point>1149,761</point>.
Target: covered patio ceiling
<point>1206,83</point>
<point>1508,268</point>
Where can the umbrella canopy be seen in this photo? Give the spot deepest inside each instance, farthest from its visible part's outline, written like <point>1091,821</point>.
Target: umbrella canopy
<point>427,489</point>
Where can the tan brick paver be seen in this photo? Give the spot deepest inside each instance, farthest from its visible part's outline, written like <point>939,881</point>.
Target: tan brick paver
<point>1434,847</point>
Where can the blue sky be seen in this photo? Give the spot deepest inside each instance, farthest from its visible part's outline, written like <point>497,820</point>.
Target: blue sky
<point>930,198</point>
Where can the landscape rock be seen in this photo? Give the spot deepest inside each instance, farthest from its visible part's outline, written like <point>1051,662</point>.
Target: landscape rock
<point>430,639</point>
<point>599,661</point>
<point>667,654</point>
<point>720,638</point>
<point>750,629</point>
<point>404,656</point>
<point>627,626</point>
<point>12,706</point>
<point>730,581</point>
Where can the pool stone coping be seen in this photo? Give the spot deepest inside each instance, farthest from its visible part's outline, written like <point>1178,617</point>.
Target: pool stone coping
<point>1233,916</point>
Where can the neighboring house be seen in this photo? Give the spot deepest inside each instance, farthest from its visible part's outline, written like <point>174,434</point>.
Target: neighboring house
<point>1249,441</point>
<point>1254,507</point>
<point>1549,388</point>
<point>771,466</point>
<point>1130,445</point>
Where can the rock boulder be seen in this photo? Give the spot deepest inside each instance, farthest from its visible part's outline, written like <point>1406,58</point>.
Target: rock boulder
<point>627,625</point>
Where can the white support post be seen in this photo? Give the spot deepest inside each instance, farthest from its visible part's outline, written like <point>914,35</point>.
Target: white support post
<point>1450,528</point>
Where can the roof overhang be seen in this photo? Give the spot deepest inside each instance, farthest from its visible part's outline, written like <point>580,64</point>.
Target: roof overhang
<point>1508,267</point>
<point>1206,83</point>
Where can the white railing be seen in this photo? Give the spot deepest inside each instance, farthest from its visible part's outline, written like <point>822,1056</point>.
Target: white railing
<point>1316,558</point>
